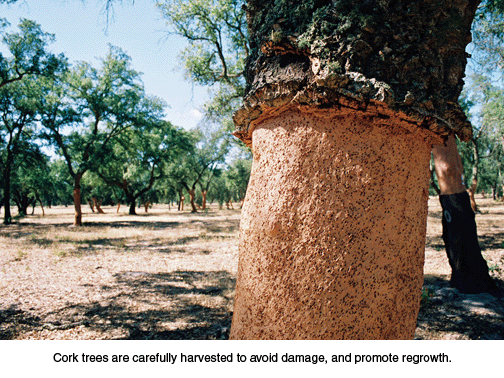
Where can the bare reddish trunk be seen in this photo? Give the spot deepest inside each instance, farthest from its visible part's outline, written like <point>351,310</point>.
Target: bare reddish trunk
<point>97,204</point>
<point>42,207</point>
<point>203,203</point>
<point>91,205</point>
<point>146,206</point>
<point>77,206</point>
<point>332,231</point>
<point>472,191</point>
<point>192,198</point>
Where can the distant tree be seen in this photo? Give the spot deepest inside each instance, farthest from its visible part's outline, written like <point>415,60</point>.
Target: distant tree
<point>18,114</point>
<point>138,157</point>
<point>198,168</point>
<point>30,177</point>
<point>99,104</point>
<point>62,183</point>
<point>28,59</point>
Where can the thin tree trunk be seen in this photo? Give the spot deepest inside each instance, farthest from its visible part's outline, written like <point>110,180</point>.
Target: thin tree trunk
<point>6,188</point>
<point>42,207</point>
<point>97,204</point>
<point>37,198</point>
<point>474,179</point>
<point>91,205</point>
<point>192,197</point>
<point>77,200</point>
<point>203,202</point>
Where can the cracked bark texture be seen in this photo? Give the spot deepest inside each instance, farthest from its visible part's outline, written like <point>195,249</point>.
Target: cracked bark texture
<point>344,101</point>
<point>409,55</point>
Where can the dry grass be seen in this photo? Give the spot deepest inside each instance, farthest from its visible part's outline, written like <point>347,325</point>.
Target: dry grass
<point>171,275</point>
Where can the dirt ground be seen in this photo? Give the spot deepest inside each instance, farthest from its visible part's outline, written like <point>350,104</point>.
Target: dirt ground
<point>171,275</point>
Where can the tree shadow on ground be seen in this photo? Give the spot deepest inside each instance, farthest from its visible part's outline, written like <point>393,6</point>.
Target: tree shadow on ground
<point>140,305</point>
<point>491,241</point>
<point>452,315</point>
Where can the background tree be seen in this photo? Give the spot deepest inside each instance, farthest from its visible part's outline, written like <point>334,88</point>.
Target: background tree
<point>18,113</point>
<point>62,183</point>
<point>31,182</point>
<point>138,157</point>
<point>198,168</point>
<point>216,31</point>
<point>107,100</point>
<point>28,59</point>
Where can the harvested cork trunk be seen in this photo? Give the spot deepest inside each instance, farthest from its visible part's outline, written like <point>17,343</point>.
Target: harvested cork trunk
<point>333,224</point>
<point>333,229</point>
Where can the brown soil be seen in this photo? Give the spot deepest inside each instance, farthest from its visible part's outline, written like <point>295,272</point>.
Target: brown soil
<point>171,275</point>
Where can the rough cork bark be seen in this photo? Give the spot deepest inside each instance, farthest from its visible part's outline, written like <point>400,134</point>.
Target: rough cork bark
<point>344,101</point>
<point>332,244</point>
<point>409,55</point>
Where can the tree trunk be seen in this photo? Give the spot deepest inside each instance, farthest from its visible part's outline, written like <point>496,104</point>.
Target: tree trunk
<point>203,201</point>
<point>469,268</point>
<point>192,197</point>
<point>146,206</point>
<point>6,188</point>
<point>132,210</point>
<point>97,204</point>
<point>474,179</point>
<point>37,198</point>
<point>77,206</point>
<point>333,230</point>
<point>341,118</point>
<point>91,205</point>
<point>77,199</point>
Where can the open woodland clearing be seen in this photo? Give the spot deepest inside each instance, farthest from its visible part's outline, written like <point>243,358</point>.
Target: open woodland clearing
<point>171,275</point>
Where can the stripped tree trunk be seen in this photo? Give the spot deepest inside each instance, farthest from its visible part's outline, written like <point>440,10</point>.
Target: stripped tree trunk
<point>77,199</point>
<point>146,206</point>
<point>97,204</point>
<point>203,202</point>
<point>91,205</point>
